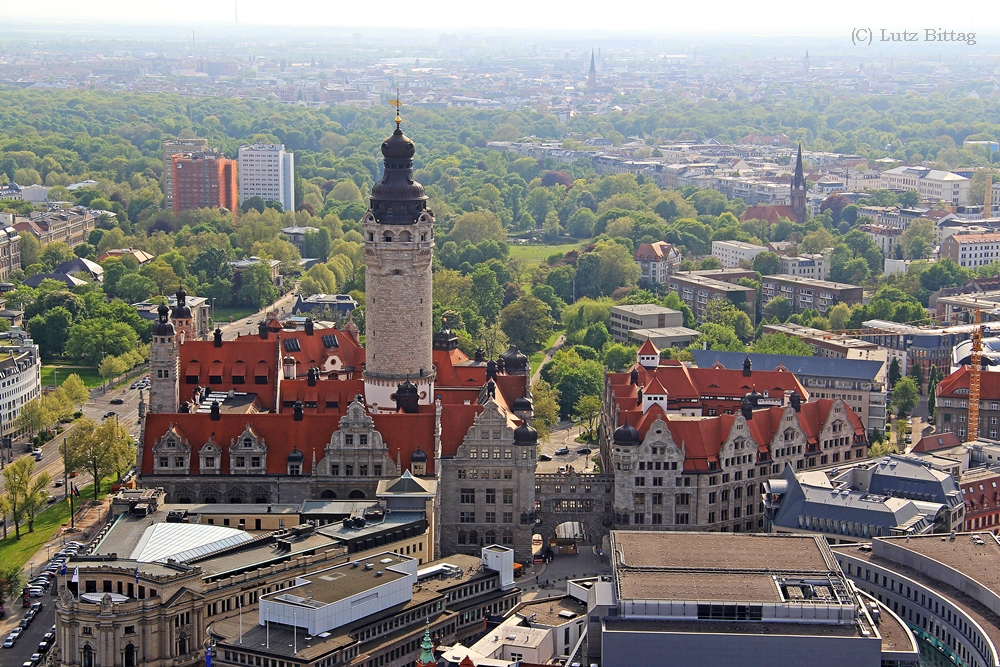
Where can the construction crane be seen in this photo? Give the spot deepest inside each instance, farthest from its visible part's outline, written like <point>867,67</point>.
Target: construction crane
<point>975,370</point>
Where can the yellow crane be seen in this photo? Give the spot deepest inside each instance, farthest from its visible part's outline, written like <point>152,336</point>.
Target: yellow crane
<point>975,369</point>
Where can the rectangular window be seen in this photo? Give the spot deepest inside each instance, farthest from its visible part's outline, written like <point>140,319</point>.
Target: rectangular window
<point>491,496</point>
<point>508,496</point>
<point>640,518</point>
<point>466,517</point>
<point>467,496</point>
<point>491,517</point>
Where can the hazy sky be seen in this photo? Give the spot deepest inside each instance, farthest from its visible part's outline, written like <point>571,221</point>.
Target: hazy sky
<point>770,17</point>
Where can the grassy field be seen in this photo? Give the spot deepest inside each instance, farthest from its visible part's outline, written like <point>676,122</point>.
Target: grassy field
<point>223,315</point>
<point>18,552</point>
<point>90,376</point>
<point>533,254</point>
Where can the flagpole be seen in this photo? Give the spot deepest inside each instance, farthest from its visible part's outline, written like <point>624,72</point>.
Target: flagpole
<point>238,604</point>
<point>267,626</point>
<point>295,635</point>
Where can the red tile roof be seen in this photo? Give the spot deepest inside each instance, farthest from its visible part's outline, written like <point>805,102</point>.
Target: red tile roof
<point>648,348</point>
<point>772,214</point>
<point>989,385</point>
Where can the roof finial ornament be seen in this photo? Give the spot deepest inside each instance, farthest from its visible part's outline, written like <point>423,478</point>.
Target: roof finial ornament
<point>399,105</point>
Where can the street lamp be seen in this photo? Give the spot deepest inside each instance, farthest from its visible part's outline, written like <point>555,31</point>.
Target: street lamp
<point>31,568</point>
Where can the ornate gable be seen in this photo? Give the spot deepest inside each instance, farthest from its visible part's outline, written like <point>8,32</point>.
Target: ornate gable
<point>491,435</point>
<point>356,449</point>
<point>210,458</point>
<point>248,453</point>
<point>659,444</point>
<point>172,453</point>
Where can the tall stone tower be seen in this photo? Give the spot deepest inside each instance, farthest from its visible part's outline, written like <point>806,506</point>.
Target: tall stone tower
<point>805,65</point>
<point>399,242</point>
<point>798,193</point>
<point>164,365</point>
<point>592,75</point>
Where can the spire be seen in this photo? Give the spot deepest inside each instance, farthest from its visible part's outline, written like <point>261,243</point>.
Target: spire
<point>799,180</point>
<point>592,77</point>
<point>426,658</point>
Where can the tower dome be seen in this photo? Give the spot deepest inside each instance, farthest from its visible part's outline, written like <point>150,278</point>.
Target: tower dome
<point>525,435</point>
<point>296,456</point>
<point>418,456</point>
<point>398,199</point>
<point>626,435</point>
<point>522,404</point>
<point>181,310</point>
<point>163,326</point>
<point>514,361</point>
<point>407,397</point>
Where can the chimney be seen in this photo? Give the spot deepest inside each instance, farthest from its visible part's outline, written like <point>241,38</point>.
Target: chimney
<point>289,368</point>
<point>309,326</point>
<point>633,377</point>
<point>480,355</point>
<point>216,414</point>
<point>796,401</point>
<point>218,337</point>
<point>262,330</point>
<point>311,376</point>
<point>297,411</point>
<point>747,365</point>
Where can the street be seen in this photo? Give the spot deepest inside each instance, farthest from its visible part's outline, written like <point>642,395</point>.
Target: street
<point>27,643</point>
<point>247,326</point>
<point>564,436</point>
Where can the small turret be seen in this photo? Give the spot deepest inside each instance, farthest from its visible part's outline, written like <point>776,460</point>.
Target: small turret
<point>310,329</point>
<point>216,412</point>
<point>262,330</point>
<point>747,366</point>
<point>217,337</point>
<point>297,412</point>
<point>407,397</point>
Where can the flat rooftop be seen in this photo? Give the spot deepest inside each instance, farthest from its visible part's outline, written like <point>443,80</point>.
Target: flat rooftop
<point>733,628</point>
<point>980,562</point>
<point>342,581</point>
<point>231,508</point>
<point>644,309</point>
<point>547,612</point>
<point>722,551</point>
<point>736,587</point>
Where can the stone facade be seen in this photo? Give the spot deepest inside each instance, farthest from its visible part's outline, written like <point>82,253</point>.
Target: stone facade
<point>487,490</point>
<point>654,488</point>
<point>355,455</point>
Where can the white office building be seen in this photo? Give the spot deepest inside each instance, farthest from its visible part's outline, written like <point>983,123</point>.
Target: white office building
<point>730,253</point>
<point>267,171</point>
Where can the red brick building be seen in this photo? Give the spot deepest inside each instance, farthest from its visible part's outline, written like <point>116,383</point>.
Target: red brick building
<point>203,180</point>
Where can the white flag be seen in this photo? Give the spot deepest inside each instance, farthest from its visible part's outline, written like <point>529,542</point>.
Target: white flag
<point>76,575</point>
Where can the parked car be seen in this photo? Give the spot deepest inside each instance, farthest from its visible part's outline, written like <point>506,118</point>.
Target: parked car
<point>9,642</point>
<point>562,450</point>
<point>117,401</point>
<point>37,607</point>
<point>58,483</point>
<point>544,457</point>
<point>36,658</point>
<point>27,663</point>
<point>43,647</point>
<point>24,623</point>
<point>36,451</point>
<point>583,450</point>
<point>49,636</point>
<point>109,413</point>
<point>16,632</point>
<point>36,592</point>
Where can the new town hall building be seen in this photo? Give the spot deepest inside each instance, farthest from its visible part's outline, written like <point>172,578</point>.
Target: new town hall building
<point>289,415</point>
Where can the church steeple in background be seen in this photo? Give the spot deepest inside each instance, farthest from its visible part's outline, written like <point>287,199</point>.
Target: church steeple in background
<point>592,77</point>
<point>798,190</point>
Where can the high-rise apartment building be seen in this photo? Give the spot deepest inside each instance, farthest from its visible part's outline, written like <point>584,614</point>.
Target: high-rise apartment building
<point>267,171</point>
<point>203,180</point>
<point>170,148</point>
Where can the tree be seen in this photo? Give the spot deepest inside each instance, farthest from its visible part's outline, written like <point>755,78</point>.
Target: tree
<point>97,452</point>
<point>256,203</point>
<point>486,294</point>
<point>11,582</point>
<point>921,230</point>
<point>135,288</point>
<point>527,322</point>
<point>51,330</point>
<point>584,379</point>
<point>881,448</point>
<point>17,479</point>
<point>895,373</point>
<point>780,343</point>
<point>838,316</point>
<point>34,416</point>
<point>586,410</point>
<point>476,227</point>
<point>932,402</point>
<point>35,497</point>
<point>778,307</point>
<point>75,390</point>
<point>717,337</point>
<point>257,290</point>
<point>723,312</point>
<point>545,405</point>
<point>905,395</point>
<point>348,191</point>
<point>31,249</point>
<point>917,373</point>
<point>619,357</point>
<point>73,445</point>
<point>767,263</point>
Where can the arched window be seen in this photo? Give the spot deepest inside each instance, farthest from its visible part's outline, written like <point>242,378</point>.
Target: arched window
<point>356,494</point>
<point>182,644</point>
<point>88,656</point>
<point>328,494</point>
<point>387,238</point>
<point>473,537</point>
<point>404,237</point>
<point>129,655</point>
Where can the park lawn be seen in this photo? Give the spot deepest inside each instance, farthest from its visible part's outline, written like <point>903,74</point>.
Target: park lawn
<point>223,315</point>
<point>535,254</point>
<point>19,552</point>
<point>91,378</point>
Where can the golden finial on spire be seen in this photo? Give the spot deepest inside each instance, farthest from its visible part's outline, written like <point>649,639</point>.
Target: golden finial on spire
<point>399,105</point>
